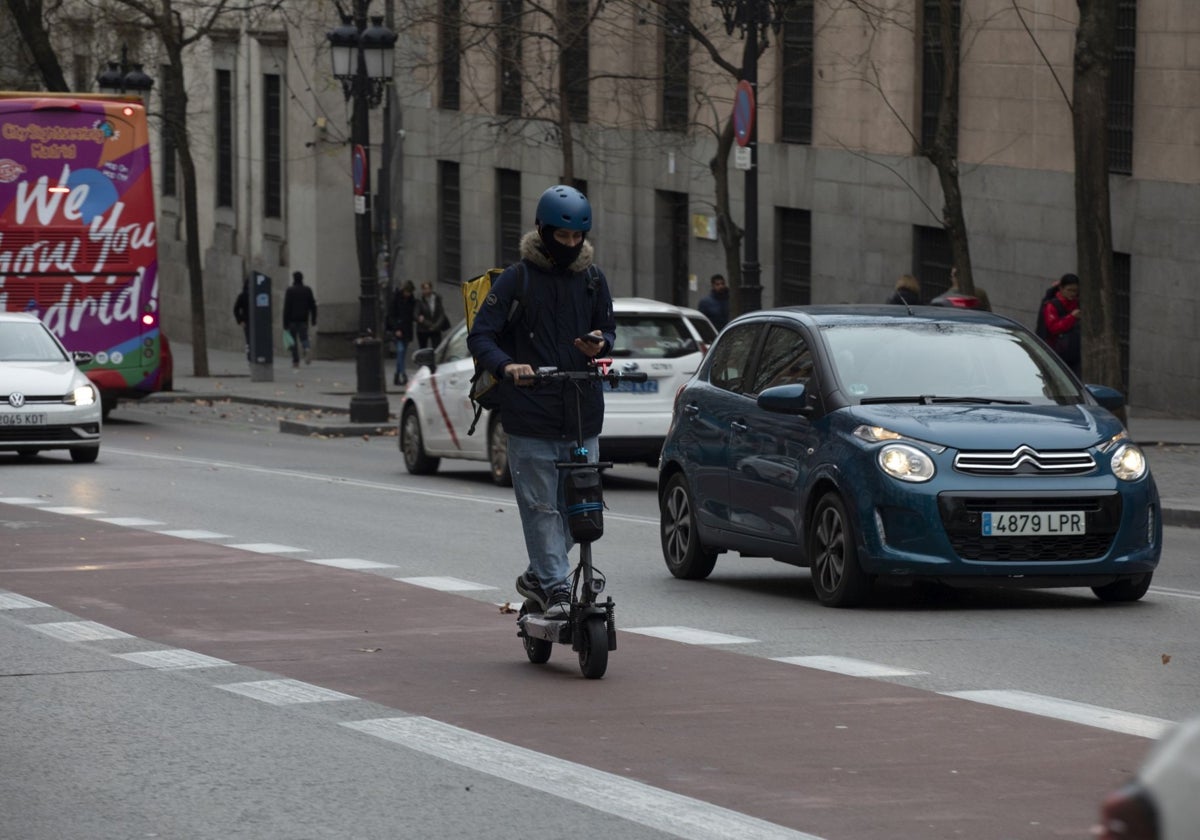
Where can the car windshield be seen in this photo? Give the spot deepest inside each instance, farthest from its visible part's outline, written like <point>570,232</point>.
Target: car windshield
<point>653,336</point>
<point>946,362</point>
<point>28,342</point>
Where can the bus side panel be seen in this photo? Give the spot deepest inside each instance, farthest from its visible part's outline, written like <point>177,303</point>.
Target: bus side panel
<point>78,240</point>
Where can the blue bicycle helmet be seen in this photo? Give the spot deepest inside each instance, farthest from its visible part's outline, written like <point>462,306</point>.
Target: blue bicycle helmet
<point>564,207</point>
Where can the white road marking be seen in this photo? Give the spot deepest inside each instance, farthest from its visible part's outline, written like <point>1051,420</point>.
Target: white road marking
<point>285,692</point>
<point>79,631</point>
<point>266,548</point>
<point>608,793</point>
<point>13,601</point>
<point>1069,710</point>
<point>188,534</point>
<point>73,511</point>
<point>850,667</point>
<point>690,635</point>
<point>176,658</point>
<point>349,563</point>
<point>1177,593</point>
<point>22,500</point>
<point>445,584</point>
<point>131,521</point>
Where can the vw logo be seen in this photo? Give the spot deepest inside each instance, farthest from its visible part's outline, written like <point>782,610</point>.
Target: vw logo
<point>631,367</point>
<point>16,399</point>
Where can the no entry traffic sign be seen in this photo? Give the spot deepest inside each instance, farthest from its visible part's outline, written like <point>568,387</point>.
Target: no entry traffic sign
<point>743,113</point>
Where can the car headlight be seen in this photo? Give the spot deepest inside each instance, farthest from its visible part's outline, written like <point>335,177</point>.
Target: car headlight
<point>1129,463</point>
<point>83,395</point>
<point>907,463</point>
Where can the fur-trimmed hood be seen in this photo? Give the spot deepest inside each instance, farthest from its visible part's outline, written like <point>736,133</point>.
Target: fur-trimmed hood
<point>533,250</point>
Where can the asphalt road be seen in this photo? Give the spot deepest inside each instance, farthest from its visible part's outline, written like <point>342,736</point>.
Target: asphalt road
<point>323,562</point>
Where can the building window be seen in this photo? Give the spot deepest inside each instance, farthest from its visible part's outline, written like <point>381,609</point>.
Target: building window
<point>449,223</point>
<point>166,182</point>
<point>1122,271</point>
<point>932,81</point>
<point>793,261</point>
<point>673,230</point>
<point>272,147</point>
<point>451,44</point>
<point>508,215</point>
<point>932,260</point>
<point>676,50</point>
<point>574,55</point>
<point>1120,91</point>
<point>511,96</point>
<point>796,53</point>
<point>224,120</point>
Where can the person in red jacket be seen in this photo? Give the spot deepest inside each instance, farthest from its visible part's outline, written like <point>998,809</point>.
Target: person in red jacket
<point>1061,316</point>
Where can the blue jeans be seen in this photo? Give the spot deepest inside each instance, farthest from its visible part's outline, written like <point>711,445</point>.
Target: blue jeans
<point>541,498</point>
<point>401,352</point>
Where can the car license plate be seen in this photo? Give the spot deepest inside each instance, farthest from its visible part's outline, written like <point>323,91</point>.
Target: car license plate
<point>1024,523</point>
<point>650,386</point>
<point>29,419</point>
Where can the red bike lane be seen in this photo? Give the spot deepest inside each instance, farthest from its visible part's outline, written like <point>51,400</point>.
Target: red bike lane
<point>832,755</point>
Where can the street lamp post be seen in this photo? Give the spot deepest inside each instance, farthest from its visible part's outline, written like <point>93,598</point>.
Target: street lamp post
<point>123,77</point>
<point>753,18</point>
<point>362,61</point>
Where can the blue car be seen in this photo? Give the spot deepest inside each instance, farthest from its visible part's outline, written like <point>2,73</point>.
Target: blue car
<point>926,444</point>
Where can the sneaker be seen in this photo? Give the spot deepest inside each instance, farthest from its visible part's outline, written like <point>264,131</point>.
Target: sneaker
<point>558,605</point>
<point>307,356</point>
<point>528,586</point>
<point>396,379</point>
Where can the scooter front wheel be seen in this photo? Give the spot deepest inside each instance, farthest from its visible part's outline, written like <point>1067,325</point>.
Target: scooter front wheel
<point>593,650</point>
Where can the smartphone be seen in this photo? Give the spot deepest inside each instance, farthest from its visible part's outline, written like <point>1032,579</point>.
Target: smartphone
<point>594,339</point>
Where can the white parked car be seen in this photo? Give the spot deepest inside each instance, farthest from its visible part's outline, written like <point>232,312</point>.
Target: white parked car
<point>662,340</point>
<point>1160,802</point>
<point>46,402</point>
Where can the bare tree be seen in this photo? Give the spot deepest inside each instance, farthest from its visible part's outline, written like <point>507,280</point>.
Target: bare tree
<point>1095,38</point>
<point>31,17</point>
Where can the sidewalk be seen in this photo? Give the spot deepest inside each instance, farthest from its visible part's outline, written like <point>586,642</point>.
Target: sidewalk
<point>1172,445</point>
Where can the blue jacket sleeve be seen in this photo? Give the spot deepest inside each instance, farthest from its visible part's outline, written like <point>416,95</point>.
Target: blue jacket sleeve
<point>606,320</point>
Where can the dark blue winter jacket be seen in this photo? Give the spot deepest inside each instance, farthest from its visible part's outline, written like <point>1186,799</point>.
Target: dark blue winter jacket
<point>557,307</point>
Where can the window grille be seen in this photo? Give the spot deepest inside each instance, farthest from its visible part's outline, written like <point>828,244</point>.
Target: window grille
<point>512,99</point>
<point>451,43</point>
<point>224,138</point>
<point>272,146</point>
<point>508,216</point>
<point>1120,91</point>
<point>676,50</point>
<point>933,258</point>
<point>449,223</point>
<point>793,273</point>
<point>796,52</point>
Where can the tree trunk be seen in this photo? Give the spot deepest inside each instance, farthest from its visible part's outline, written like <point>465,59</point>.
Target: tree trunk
<point>1094,42</point>
<point>31,23</point>
<point>176,116</point>
<point>728,231</point>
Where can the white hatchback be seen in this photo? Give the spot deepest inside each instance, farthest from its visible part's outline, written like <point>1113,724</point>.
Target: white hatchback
<point>664,341</point>
<point>46,402</point>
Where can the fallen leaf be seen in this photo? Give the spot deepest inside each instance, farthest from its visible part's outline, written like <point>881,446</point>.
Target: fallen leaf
<point>1166,658</point>
<point>367,438</point>
<point>507,608</point>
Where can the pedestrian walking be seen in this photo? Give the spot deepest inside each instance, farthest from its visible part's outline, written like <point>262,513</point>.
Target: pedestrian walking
<point>241,312</point>
<point>1061,316</point>
<point>907,291</point>
<point>431,317</point>
<point>715,305</point>
<point>564,321</point>
<point>299,310</point>
<point>401,309</point>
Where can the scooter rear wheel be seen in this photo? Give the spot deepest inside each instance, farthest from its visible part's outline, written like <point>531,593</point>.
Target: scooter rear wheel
<point>593,652</point>
<point>538,650</point>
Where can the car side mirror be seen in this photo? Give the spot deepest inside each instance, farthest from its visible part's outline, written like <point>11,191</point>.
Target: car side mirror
<point>83,357</point>
<point>426,357</point>
<point>1110,398</point>
<point>785,399</point>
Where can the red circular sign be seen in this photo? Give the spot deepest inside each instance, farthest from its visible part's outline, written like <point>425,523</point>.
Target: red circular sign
<point>743,113</point>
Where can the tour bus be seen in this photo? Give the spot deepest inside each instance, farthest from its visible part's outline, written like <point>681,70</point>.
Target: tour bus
<point>78,244</point>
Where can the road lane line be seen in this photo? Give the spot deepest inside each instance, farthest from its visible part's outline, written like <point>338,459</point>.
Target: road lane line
<point>661,810</point>
<point>849,667</point>
<point>79,631</point>
<point>192,534</point>
<point>13,601</point>
<point>173,659</point>
<point>1069,710</point>
<point>267,548</point>
<point>23,500</point>
<point>445,584</point>
<point>352,563</point>
<point>285,692</point>
<point>69,510</point>
<point>690,635</point>
<point>1176,593</point>
<point>130,521</point>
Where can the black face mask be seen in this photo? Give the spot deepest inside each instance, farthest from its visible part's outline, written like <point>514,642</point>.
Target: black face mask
<point>563,255</point>
<point>721,294</point>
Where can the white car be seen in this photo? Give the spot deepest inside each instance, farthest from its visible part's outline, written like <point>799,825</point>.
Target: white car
<point>46,402</point>
<point>1160,802</point>
<point>665,341</point>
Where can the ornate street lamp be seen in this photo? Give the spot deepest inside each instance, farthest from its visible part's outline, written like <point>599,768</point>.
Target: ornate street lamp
<point>122,77</point>
<point>753,18</point>
<point>362,60</point>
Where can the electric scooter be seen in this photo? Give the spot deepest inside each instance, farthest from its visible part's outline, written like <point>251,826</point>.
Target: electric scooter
<point>590,628</point>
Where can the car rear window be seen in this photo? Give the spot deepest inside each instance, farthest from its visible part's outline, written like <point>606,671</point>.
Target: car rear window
<point>653,336</point>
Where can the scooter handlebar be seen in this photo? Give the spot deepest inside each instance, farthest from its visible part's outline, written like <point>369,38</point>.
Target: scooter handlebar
<point>599,369</point>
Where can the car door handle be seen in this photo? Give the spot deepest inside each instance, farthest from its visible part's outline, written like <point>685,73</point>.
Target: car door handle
<point>738,426</point>
<point>691,409</point>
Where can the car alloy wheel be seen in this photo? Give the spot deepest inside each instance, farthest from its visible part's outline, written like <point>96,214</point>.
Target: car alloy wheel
<point>416,460</point>
<point>838,579</point>
<point>686,557</point>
